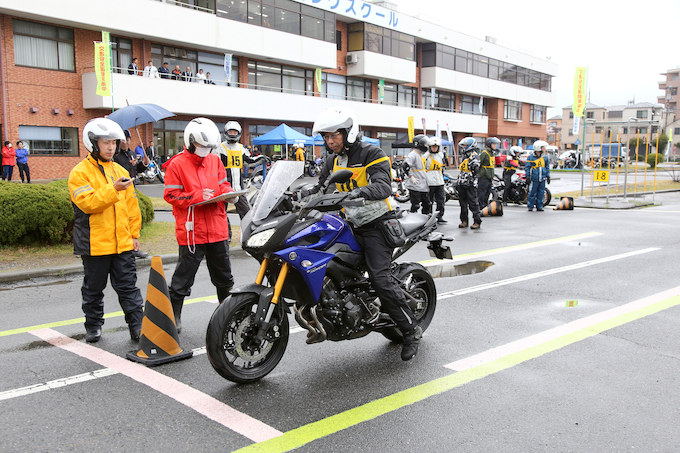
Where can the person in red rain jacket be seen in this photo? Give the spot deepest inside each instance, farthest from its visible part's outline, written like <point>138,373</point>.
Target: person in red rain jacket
<point>8,161</point>
<point>197,175</point>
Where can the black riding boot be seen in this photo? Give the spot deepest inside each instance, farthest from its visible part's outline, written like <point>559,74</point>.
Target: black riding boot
<point>177,309</point>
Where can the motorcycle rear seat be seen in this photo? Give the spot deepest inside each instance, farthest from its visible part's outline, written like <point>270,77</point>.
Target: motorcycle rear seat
<point>413,222</point>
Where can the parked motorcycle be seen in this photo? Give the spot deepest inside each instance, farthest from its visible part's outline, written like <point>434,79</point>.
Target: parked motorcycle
<point>519,191</point>
<point>310,262</point>
<point>450,187</point>
<point>313,167</point>
<point>399,190</point>
<point>153,171</point>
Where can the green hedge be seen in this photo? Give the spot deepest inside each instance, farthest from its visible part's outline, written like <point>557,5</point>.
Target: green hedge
<point>43,214</point>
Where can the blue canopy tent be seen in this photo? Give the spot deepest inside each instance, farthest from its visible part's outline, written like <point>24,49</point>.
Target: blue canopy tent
<point>283,135</point>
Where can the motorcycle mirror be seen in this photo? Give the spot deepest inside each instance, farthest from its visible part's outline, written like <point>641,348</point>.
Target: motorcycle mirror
<point>339,177</point>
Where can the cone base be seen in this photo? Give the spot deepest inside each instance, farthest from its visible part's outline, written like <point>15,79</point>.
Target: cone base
<point>153,361</point>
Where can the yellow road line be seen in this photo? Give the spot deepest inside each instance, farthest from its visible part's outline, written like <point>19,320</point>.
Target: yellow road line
<point>335,423</point>
<point>69,322</point>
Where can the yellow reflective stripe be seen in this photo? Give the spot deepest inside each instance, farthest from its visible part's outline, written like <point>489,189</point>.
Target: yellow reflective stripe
<point>377,161</point>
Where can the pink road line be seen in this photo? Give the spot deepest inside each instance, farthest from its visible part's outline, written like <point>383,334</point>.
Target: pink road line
<point>204,404</point>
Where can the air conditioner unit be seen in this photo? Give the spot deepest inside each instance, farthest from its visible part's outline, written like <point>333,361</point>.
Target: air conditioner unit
<point>351,58</point>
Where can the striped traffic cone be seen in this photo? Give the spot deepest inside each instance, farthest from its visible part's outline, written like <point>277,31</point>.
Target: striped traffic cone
<point>493,209</point>
<point>158,342</point>
<point>565,204</point>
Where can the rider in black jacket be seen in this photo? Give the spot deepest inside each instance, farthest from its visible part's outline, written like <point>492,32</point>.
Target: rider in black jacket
<point>371,181</point>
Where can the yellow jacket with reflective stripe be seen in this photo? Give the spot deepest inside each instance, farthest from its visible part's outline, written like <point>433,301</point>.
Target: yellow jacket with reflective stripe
<point>105,220</point>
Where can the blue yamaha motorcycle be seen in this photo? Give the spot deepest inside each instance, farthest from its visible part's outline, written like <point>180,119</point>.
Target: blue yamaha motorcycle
<point>310,264</point>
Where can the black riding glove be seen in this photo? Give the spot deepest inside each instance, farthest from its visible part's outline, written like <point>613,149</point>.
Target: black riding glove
<point>548,179</point>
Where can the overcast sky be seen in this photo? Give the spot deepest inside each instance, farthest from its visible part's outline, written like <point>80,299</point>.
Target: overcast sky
<point>626,45</point>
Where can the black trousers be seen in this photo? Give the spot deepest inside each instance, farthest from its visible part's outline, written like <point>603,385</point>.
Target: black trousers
<point>438,195</point>
<point>483,192</point>
<point>418,199</point>
<point>507,180</point>
<point>467,197</point>
<point>378,257</point>
<point>123,272</point>
<point>23,168</point>
<point>217,257</point>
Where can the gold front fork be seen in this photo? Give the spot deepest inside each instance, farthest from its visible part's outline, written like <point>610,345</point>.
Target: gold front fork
<point>280,280</point>
<point>263,269</point>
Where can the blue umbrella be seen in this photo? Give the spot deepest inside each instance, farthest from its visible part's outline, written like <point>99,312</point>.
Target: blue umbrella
<point>136,114</point>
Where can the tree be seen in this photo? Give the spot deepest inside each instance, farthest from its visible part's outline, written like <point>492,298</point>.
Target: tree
<point>636,147</point>
<point>661,144</point>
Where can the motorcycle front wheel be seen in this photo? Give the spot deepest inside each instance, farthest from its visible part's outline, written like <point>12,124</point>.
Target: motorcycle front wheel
<point>418,283</point>
<point>402,195</point>
<point>231,343</point>
<point>312,170</point>
<point>161,178</point>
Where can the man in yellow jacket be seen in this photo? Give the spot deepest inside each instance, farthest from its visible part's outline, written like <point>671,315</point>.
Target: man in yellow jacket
<point>106,230</point>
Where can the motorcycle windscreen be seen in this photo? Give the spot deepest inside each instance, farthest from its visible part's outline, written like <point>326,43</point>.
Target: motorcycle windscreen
<point>282,174</point>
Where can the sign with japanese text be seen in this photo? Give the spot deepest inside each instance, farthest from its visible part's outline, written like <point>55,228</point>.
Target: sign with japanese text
<point>411,129</point>
<point>317,79</point>
<point>381,90</point>
<point>358,10</point>
<point>106,37</point>
<point>102,68</point>
<point>577,121</point>
<point>227,67</point>
<point>579,105</point>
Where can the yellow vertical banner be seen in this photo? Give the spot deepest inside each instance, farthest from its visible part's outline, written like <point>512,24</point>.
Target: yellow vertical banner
<point>579,92</point>
<point>102,68</point>
<point>411,129</point>
<point>317,79</point>
<point>106,37</point>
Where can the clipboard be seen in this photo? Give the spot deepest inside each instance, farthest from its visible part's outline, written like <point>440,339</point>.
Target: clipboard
<point>223,197</point>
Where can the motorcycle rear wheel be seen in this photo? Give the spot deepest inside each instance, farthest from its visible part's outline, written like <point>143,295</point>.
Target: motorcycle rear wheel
<point>232,349</point>
<point>418,282</point>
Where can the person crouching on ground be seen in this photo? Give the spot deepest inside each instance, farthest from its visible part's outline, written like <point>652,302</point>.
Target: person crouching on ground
<point>466,185</point>
<point>107,222</point>
<point>197,175</point>
<point>538,173</point>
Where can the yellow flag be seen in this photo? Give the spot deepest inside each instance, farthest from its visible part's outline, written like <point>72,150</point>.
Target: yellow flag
<point>102,68</point>
<point>579,92</point>
<point>411,129</point>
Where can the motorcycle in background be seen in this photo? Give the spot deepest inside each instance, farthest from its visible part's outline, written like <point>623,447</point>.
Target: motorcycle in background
<point>519,190</point>
<point>152,172</point>
<point>399,190</point>
<point>450,187</point>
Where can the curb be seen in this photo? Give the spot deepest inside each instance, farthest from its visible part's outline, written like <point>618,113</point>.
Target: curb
<point>10,277</point>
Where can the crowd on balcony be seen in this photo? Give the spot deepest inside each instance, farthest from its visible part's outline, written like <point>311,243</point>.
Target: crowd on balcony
<point>164,72</point>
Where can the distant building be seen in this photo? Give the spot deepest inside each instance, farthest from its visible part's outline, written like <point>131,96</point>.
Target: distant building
<point>603,124</point>
<point>553,131</point>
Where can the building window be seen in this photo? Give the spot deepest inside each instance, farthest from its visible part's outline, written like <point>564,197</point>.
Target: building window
<point>673,91</point>
<point>338,40</point>
<point>442,100</point>
<point>363,36</point>
<point>43,46</point>
<point>274,77</point>
<point>212,63</point>
<point>470,104</point>
<point>676,131</point>
<point>590,115</point>
<point>642,114</point>
<point>615,114</point>
<point>283,15</point>
<point>512,110</point>
<point>50,141</point>
<point>358,89</point>
<point>121,54</point>
<point>537,114</point>
<point>571,115</point>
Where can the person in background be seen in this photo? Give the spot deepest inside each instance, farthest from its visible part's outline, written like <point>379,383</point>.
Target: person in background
<point>107,222</point>
<point>487,163</point>
<point>435,164</point>
<point>164,71</point>
<point>300,153</point>
<point>22,162</point>
<point>417,177</point>
<point>208,80</point>
<point>132,67</point>
<point>538,173</point>
<point>8,161</point>
<point>150,71</point>
<point>466,185</point>
<point>202,231</point>
<point>200,77</point>
<point>188,75</point>
<point>509,168</point>
<point>177,73</point>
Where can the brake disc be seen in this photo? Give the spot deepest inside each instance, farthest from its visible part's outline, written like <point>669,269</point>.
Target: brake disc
<point>240,342</point>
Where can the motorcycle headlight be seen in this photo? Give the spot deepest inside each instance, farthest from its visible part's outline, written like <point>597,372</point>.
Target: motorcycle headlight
<point>261,238</point>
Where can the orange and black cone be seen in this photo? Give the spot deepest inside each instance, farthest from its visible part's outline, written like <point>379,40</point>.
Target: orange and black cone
<point>494,208</point>
<point>158,342</point>
<point>565,204</point>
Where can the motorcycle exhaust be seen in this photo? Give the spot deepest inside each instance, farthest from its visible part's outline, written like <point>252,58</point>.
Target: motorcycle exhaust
<point>313,335</point>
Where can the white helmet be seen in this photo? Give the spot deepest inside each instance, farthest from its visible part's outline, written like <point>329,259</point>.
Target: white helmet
<point>435,141</point>
<point>333,120</point>
<point>538,144</point>
<point>235,126</point>
<point>203,132</point>
<point>101,128</point>
<point>515,150</point>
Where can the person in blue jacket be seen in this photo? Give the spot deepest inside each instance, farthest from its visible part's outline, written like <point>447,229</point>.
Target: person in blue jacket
<point>22,162</point>
<point>538,173</point>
